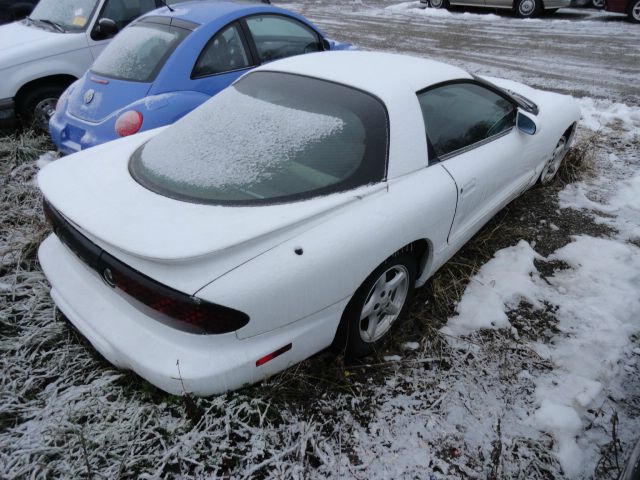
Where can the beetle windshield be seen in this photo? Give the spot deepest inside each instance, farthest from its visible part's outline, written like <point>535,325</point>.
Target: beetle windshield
<point>271,137</point>
<point>68,14</point>
<point>138,53</point>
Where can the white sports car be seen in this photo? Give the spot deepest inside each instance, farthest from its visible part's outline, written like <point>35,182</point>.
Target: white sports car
<point>299,207</point>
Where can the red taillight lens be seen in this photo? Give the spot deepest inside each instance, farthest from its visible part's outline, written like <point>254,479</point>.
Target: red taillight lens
<point>129,123</point>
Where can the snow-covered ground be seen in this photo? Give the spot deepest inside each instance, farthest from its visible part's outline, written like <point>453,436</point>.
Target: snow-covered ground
<point>533,373</point>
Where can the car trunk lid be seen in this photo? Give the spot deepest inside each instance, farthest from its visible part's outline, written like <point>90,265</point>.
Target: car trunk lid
<point>97,97</point>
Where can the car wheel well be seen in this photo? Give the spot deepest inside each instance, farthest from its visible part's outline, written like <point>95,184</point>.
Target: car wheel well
<point>57,80</point>
<point>418,249</point>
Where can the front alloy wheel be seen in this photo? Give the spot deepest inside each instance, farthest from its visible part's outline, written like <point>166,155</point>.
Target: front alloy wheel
<point>634,11</point>
<point>553,165</point>
<point>527,8</point>
<point>378,305</point>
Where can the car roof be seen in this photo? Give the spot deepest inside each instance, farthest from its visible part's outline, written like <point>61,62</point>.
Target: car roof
<point>394,79</point>
<point>375,72</point>
<point>205,11</point>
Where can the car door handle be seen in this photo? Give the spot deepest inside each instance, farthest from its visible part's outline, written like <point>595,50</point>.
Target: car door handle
<point>468,187</point>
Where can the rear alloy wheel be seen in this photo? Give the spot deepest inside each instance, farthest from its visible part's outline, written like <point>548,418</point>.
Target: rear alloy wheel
<point>439,3</point>
<point>597,3</point>
<point>553,165</point>
<point>527,8</point>
<point>378,305</point>
<point>634,11</point>
<point>38,105</point>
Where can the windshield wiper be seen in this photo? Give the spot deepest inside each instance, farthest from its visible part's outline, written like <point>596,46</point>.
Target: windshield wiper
<point>55,25</point>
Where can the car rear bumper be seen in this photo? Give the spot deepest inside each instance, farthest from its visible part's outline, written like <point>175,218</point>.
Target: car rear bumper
<point>71,135</point>
<point>173,360</point>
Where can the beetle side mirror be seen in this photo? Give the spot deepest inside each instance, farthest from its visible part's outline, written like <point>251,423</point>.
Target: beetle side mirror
<point>106,28</point>
<point>526,124</point>
<point>326,45</point>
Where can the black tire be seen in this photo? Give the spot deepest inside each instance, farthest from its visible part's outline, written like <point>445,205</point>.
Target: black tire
<point>527,8</point>
<point>37,104</point>
<point>439,4</point>
<point>550,11</point>
<point>350,333</point>
<point>634,11</point>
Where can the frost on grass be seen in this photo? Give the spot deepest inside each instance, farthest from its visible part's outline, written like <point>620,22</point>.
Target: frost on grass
<point>492,403</point>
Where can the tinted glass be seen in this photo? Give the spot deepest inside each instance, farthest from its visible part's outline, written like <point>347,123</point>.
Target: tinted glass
<point>70,14</point>
<point>461,114</point>
<point>124,12</point>
<point>138,52</point>
<point>265,139</point>
<point>224,53</point>
<point>279,37</point>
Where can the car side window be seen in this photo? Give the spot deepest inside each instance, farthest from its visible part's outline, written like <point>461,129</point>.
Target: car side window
<point>459,115</point>
<point>123,12</point>
<point>276,36</point>
<point>225,52</point>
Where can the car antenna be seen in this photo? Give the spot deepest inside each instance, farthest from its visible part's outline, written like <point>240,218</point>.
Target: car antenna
<point>167,5</point>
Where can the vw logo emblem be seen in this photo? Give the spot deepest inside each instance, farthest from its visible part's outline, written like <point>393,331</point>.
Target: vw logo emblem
<point>108,277</point>
<point>88,96</point>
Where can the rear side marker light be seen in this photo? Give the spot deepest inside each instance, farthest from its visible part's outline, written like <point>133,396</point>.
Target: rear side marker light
<point>272,355</point>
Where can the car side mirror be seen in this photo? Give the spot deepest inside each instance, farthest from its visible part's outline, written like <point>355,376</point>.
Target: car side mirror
<point>526,124</point>
<point>326,45</point>
<point>106,28</point>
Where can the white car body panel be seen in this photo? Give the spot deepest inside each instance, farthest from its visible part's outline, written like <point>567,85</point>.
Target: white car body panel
<point>291,267</point>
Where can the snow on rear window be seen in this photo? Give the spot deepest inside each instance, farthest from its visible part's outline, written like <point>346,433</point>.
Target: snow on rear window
<point>269,137</point>
<point>232,154</point>
<point>138,52</point>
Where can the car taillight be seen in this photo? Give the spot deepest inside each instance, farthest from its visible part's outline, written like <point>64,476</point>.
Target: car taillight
<point>129,123</point>
<point>160,302</point>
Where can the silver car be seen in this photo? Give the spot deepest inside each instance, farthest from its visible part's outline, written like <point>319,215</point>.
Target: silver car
<point>522,8</point>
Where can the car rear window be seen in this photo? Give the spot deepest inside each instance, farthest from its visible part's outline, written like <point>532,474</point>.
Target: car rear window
<point>271,137</point>
<point>138,52</point>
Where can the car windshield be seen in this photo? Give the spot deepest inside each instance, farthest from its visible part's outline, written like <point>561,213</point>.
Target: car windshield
<point>72,15</point>
<point>138,52</point>
<point>271,137</point>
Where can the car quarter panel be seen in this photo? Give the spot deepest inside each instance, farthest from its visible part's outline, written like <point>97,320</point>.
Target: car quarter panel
<point>282,286</point>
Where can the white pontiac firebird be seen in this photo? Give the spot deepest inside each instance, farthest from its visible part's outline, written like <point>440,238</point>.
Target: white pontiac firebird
<point>299,207</point>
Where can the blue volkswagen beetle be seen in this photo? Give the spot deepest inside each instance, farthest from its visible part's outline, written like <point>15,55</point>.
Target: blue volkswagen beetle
<point>170,61</point>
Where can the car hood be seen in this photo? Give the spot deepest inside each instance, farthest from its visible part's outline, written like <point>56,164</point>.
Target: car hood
<point>22,43</point>
<point>95,191</point>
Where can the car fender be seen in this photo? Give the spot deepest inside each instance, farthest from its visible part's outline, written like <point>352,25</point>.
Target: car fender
<point>164,108</point>
<point>326,264</point>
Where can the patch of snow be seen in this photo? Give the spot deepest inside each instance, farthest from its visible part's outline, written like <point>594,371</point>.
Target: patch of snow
<point>411,345</point>
<point>392,358</point>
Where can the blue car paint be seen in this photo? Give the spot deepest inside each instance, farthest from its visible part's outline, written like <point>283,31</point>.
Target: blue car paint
<point>78,125</point>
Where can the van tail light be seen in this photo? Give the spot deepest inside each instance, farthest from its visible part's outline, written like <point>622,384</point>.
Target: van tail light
<point>129,123</point>
<point>160,302</point>
<point>272,355</point>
